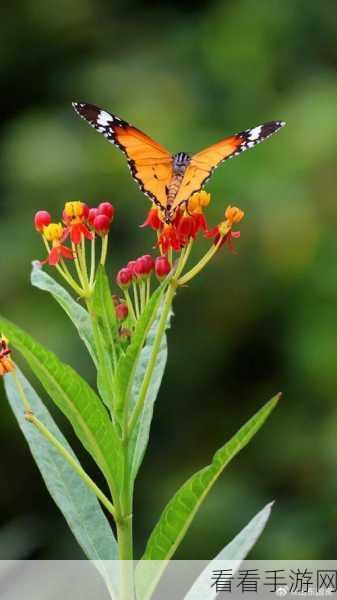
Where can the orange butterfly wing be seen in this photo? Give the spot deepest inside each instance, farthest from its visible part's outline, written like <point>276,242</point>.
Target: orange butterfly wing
<point>203,163</point>
<point>149,162</point>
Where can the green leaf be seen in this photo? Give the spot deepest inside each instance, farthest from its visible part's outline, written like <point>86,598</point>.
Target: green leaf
<point>104,324</point>
<point>75,398</point>
<point>140,435</point>
<point>182,508</point>
<point>76,313</point>
<point>128,362</point>
<point>76,501</point>
<point>236,551</point>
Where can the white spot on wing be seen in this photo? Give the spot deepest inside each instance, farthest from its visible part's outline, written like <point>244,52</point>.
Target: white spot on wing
<point>255,133</point>
<point>104,118</point>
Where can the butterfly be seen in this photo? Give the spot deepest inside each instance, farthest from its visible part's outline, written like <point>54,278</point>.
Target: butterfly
<point>168,179</point>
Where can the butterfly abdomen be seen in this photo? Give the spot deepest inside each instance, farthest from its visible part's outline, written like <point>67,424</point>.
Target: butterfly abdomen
<point>181,160</point>
<point>173,187</point>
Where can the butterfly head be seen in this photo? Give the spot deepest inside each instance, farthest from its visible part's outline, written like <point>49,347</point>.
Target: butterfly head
<point>180,161</point>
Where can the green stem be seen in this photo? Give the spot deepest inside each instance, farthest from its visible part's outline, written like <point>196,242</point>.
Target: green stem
<point>130,305</point>
<point>125,545</point>
<point>152,362</point>
<point>148,288</point>
<point>93,261</point>
<point>70,282</point>
<point>104,250</point>
<point>135,295</point>
<point>64,271</point>
<point>21,392</point>
<point>29,416</point>
<point>142,295</point>
<point>77,265</point>
<point>184,258</point>
<point>124,531</point>
<point>83,264</point>
<point>201,264</point>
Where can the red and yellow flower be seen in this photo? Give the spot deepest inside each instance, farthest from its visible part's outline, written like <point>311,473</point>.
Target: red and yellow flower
<point>6,363</point>
<point>54,233</point>
<point>75,215</point>
<point>187,222</point>
<point>223,231</point>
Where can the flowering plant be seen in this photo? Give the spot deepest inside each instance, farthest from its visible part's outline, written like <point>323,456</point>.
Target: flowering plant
<point>125,335</point>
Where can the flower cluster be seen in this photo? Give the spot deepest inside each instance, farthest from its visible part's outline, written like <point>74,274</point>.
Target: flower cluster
<point>141,269</point>
<point>187,222</point>
<point>66,240</point>
<point>137,273</point>
<point>6,363</point>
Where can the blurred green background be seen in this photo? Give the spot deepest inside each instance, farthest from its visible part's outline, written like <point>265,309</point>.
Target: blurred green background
<point>255,323</point>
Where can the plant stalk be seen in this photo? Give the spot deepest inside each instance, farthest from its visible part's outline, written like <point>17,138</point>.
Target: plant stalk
<point>29,416</point>
<point>201,264</point>
<point>104,250</point>
<point>124,531</point>
<point>151,364</point>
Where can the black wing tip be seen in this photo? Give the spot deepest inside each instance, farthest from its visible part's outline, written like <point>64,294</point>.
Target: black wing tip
<point>267,129</point>
<point>80,106</point>
<point>277,122</point>
<point>276,125</point>
<point>77,106</point>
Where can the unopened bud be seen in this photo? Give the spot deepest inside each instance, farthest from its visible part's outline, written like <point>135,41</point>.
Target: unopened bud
<point>42,219</point>
<point>124,278</point>
<point>162,267</point>
<point>105,208</point>
<point>122,311</point>
<point>101,224</point>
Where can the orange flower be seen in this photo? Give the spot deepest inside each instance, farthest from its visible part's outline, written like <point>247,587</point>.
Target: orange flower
<point>153,219</point>
<point>169,238</point>
<point>223,231</point>
<point>54,233</point>
<point>185,225</point>
<point>199,200</point>
<point>6,363</point>
<point>234,214</point>
<point>74,216</point>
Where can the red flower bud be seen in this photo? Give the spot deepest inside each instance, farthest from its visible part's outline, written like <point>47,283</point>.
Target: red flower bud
<point>101,224</point>
<point>162,267</point>
<point>131,265</point>
<point>140,267</point>
<point>42,219</point>
<point>92,214</point>
<point>124,278</point>
<point>122,311</point>
<point>85,211</point>
<point>105,208</point>
<point>148,263</point>
<point>143,265</point>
